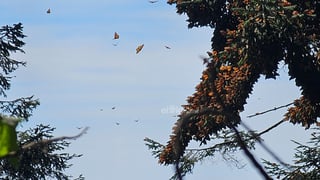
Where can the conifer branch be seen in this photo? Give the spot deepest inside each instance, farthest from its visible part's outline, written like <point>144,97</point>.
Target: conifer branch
<point>45,142</point>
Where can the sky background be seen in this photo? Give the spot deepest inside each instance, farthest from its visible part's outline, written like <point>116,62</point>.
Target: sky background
<point>78,74</point>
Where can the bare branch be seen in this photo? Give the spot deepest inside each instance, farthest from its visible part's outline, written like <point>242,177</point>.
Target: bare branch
<point>231,142</point>
<point>271,127</point>
<point>275,108</point>
<point>186,117</point>
<point>250,155</point>
<point>265,146</point>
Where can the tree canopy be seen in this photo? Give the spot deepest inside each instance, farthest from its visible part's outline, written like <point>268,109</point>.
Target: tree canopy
<point>250,38</point>
<point>34,153</point>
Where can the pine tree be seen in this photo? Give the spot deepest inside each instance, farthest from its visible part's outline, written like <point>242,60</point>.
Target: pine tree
<point>34,153</point>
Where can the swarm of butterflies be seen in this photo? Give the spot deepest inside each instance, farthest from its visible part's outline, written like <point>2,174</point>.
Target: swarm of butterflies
<point>117,36</point>
<point>138,49</point>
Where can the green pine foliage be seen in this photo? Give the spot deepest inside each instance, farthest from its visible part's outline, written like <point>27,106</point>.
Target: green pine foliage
<point>306,161</point>
<point>43,161</point>
<point>23,155</point>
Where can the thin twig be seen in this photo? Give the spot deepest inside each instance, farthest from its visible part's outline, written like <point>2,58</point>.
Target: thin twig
<point>275,108</point>
<point>230,142</point>
<point>263,145</point>
<point>185,118</point>
<point>272,127</point>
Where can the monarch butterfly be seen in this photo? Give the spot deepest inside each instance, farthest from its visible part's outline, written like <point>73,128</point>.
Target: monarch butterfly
<point>139,48</point>
<point>116,35</point>
<point>48,11</point>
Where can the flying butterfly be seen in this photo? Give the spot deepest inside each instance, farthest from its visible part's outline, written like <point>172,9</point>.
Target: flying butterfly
<point>116,35</point>
<point>49,11</point>
<point>139,48</point>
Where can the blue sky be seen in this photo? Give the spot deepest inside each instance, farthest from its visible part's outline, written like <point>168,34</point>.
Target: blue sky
<point>79,75</point>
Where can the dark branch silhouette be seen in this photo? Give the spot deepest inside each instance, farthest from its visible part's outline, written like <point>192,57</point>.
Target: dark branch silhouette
<point>255,136</point>
<point>250,155</point>
<point>185,117</point>
<point>263,144</point>
<point>269,110</point>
